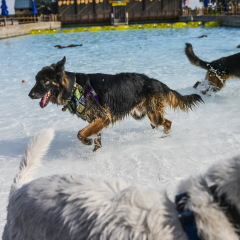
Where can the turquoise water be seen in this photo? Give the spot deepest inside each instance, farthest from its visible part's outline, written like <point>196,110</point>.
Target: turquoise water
<point>131,149</point>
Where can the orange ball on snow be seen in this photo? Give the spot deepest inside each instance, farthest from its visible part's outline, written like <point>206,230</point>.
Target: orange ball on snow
<point>23,81</point>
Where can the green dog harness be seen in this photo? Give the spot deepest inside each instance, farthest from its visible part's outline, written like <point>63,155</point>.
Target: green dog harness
<point>76,102</point>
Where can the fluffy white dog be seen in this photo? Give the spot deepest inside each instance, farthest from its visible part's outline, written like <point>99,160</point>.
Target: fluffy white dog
<point>77,207</point>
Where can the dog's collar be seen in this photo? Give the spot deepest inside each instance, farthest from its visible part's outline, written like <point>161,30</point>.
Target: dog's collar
<point>76,101</point>
<point>187,217</point>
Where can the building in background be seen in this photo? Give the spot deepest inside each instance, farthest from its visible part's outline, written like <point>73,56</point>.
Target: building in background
<point>24,6</point>
<point>84,7</point>
<point>116,12</point>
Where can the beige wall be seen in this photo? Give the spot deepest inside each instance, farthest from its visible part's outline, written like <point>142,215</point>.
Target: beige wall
<point>22,29</point>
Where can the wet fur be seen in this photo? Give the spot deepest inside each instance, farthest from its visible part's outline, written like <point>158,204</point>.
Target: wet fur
<point>79,207</point>
<point>121,95</point>
<point>218,71</point>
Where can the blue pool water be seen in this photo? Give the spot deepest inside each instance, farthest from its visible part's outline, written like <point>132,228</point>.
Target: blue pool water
<point>131,149</point>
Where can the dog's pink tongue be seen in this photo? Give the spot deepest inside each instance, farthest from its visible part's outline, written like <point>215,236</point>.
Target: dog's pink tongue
<point>43,101</point>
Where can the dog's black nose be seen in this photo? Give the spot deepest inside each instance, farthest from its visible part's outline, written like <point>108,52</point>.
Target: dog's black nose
<point>31,94</point>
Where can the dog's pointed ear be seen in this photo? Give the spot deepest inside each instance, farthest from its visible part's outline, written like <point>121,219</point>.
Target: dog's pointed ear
<point>60,65</point>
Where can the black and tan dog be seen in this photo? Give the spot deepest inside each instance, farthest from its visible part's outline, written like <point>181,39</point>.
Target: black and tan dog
<point>108,98</point>
<point>218,71</point>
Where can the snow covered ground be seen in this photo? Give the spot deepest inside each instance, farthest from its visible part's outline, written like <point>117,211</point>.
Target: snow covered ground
<point>131,149</point>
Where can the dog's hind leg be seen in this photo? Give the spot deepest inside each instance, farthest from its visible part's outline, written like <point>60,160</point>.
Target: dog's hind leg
<point>92,129</point>
<point>155,106</point>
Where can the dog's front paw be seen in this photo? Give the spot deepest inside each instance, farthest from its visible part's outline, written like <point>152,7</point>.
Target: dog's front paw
<point>85,141</point>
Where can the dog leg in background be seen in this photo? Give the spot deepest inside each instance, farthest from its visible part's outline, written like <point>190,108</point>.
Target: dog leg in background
<point>92,129</point>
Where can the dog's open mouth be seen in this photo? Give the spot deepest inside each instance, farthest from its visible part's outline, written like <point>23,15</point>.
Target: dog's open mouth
<point>45,99</point>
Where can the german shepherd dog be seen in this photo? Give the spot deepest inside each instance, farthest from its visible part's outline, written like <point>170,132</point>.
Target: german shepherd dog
<point>218,71</point>
<point>117,96</point>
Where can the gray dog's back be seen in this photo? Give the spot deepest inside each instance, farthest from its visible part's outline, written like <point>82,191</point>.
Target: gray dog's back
<point>63,207</point>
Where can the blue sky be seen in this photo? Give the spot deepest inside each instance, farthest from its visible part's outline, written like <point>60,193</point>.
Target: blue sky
<point>10,4</point>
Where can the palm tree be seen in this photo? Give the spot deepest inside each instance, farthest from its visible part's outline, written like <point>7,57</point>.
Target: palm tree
<point>45,7</point>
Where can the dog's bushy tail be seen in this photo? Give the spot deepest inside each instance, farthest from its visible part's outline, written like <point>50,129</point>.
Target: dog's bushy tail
<point>185,103</point>
<point>194,59</point>
<point>36,149</point>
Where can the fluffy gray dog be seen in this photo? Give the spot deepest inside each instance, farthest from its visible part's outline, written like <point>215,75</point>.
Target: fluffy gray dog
<point>77,207</point>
